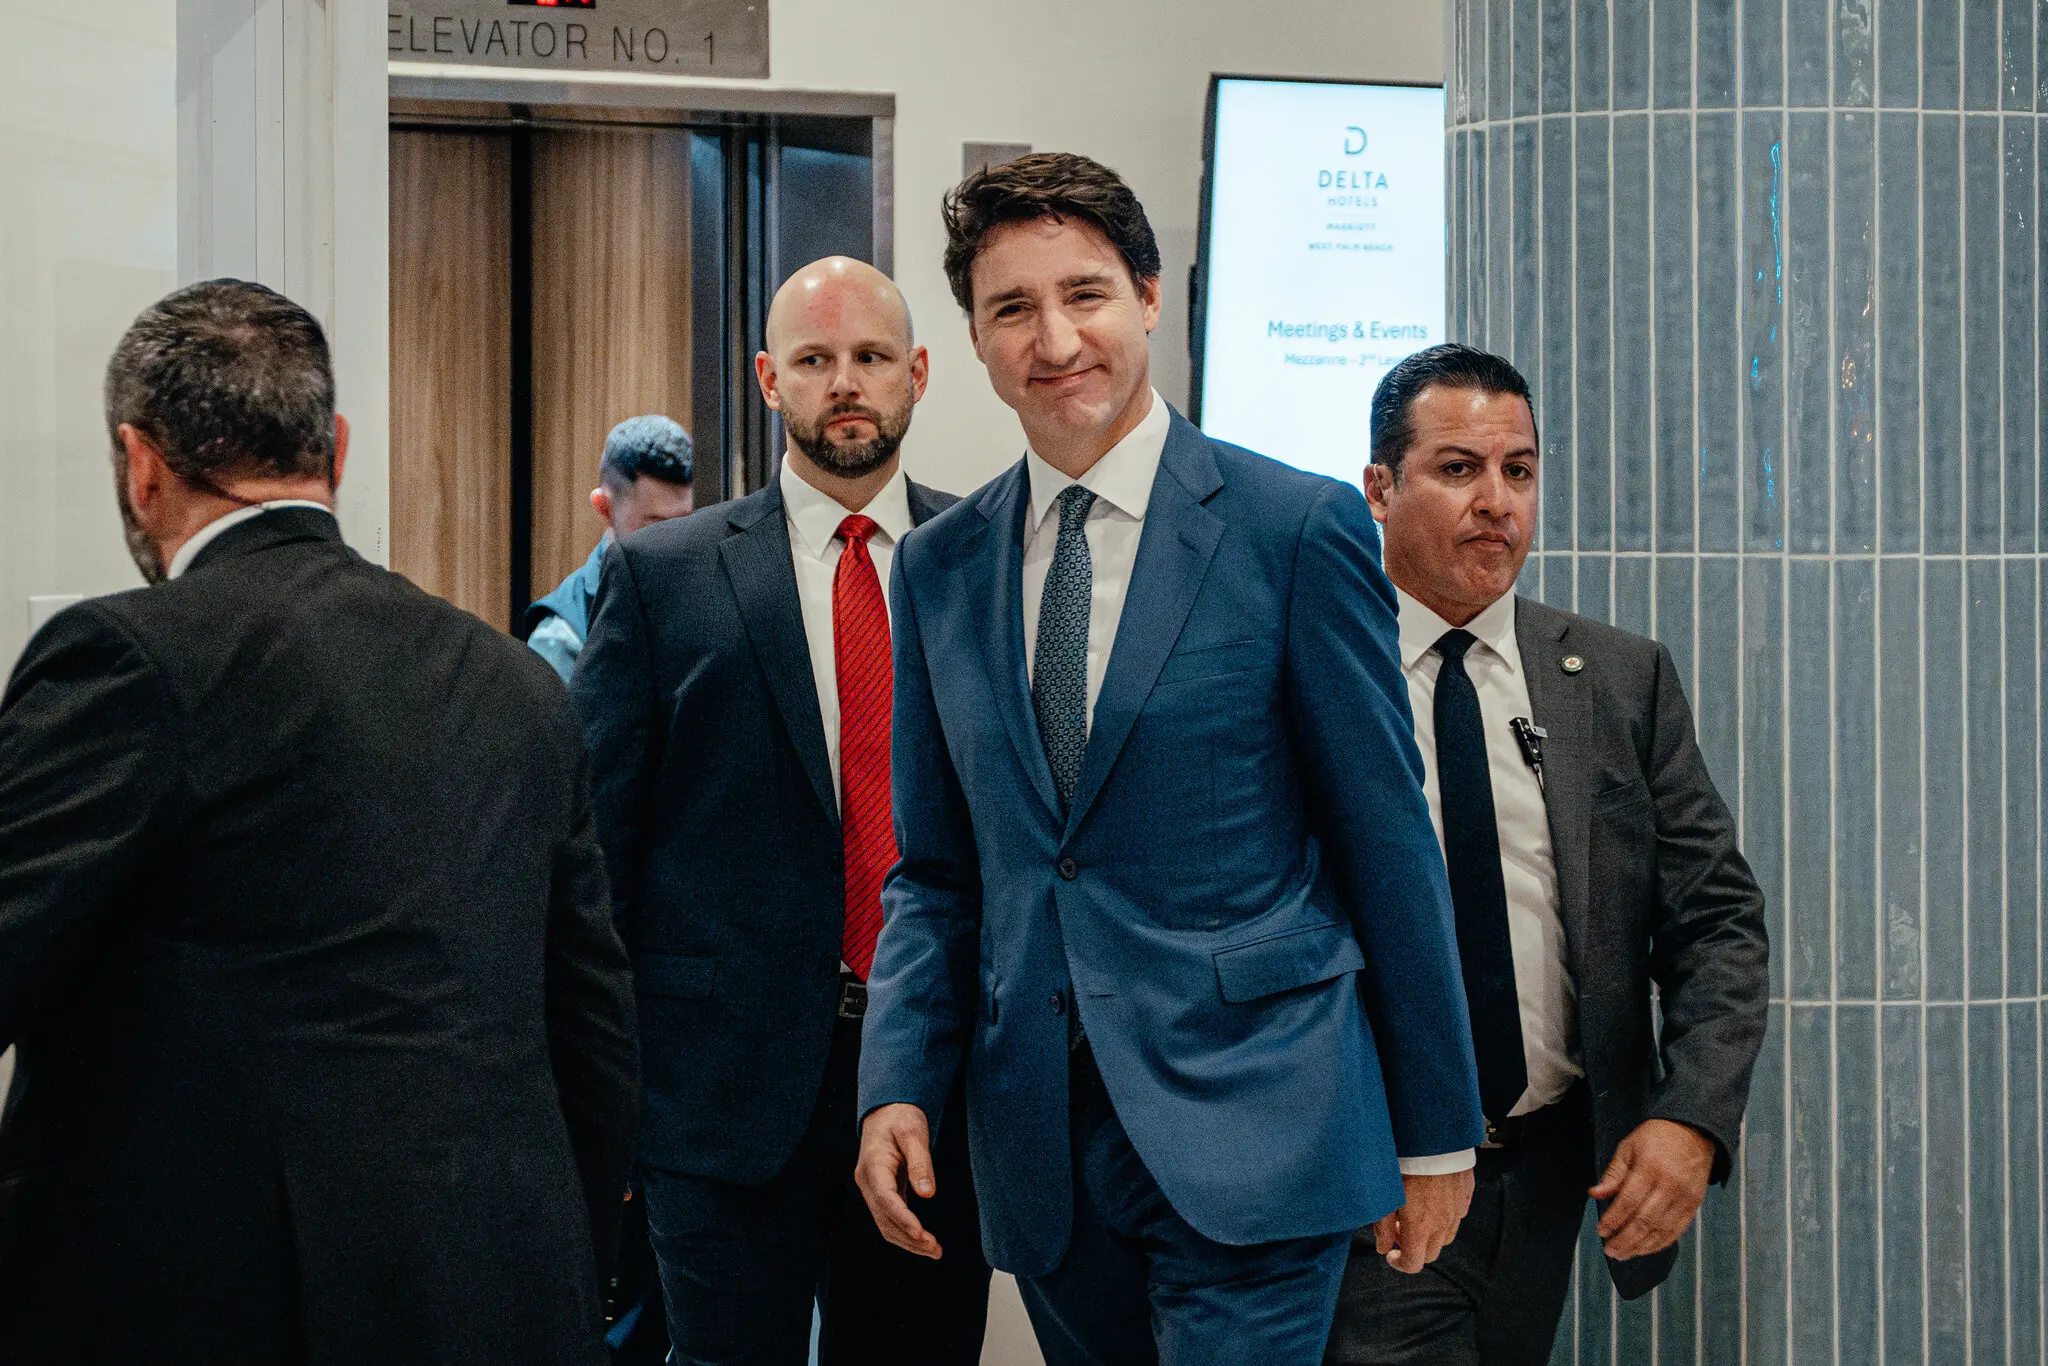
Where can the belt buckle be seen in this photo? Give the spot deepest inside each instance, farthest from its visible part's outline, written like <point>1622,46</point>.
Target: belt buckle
<point>1497,1137</point>
<point>853,999</point>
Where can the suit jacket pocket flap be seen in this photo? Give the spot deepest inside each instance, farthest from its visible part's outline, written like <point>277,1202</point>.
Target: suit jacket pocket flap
<point>673,974</point>
<point>1622,794</point>
<point>1298,958</point>
<point>1210,661</point>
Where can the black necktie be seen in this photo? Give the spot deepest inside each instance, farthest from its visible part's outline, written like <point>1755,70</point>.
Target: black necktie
<point>1479,895</point>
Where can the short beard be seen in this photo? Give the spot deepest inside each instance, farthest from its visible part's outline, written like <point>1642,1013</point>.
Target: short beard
<point>141,548</point>
<point>850,462</point>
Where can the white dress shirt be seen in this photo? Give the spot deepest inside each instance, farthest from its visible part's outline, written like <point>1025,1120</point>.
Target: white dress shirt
<point>212,531</point>
<point>1122,484</point>
<point>1543,978</point>
<point>814,546</point>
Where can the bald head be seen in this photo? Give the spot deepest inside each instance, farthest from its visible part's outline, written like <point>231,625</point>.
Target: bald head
<point>831,294</point>
<point>842,368</point>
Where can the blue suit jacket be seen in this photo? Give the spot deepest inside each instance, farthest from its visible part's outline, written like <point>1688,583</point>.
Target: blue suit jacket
<point>1247,901</point>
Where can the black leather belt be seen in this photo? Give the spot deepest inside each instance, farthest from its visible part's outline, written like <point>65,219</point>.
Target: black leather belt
<point>853,997</point>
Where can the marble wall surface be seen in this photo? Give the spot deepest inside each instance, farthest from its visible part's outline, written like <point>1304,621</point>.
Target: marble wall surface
<point>1775,270</point>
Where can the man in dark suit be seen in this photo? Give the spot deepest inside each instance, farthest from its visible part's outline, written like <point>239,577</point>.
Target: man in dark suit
<point>1611,936</point>
<point>325,1045</point>
<point>1169,894</point>
<point>736,691</point>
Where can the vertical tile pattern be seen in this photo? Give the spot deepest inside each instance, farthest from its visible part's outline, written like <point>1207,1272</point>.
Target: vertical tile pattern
<point>1777,275</point>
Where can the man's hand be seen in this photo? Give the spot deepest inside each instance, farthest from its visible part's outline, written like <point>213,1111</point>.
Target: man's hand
<point>1412,1236</point>
<point>1657,1180</point>
<point>895,1160</point>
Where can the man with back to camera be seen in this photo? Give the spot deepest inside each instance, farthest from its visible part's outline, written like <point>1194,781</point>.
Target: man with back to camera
<point>642,478</point>
<point>1199,972</point>
<point>325,1037</point>
<point>1594,872</point>
<point>736,692</point>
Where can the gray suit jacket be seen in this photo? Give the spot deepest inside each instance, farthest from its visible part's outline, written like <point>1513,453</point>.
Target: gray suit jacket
<point>1663,919</point>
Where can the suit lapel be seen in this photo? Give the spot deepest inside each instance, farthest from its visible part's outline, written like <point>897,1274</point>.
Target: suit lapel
<point>756,558</point>
<point>1560,704</point>
<point>1174,551</point>
<point>1003,506</point>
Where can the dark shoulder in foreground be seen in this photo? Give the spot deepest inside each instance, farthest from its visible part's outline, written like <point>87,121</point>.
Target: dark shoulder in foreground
<point>935,500</point>
<point>956,514</point>
<point>680,538</point>
<point>329,597</point>
<point>1273,487</point>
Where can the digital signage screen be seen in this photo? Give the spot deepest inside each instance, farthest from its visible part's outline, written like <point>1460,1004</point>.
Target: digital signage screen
<point>1321,261</point>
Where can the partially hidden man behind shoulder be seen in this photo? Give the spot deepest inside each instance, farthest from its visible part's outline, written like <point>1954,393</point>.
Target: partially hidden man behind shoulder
<point>643,478</point>
<point>325,1038</point>
<point>1168,893</point>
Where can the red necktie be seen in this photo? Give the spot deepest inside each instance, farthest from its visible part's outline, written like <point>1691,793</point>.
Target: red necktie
<point>867,682</point>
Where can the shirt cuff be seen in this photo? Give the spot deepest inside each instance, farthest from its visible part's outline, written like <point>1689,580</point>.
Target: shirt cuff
<point>1439,1164</point>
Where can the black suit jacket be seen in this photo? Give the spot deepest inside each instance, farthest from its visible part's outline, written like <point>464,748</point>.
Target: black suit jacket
<point>715,804</point>
<point>325,1046</point>
<point>1652,890</point>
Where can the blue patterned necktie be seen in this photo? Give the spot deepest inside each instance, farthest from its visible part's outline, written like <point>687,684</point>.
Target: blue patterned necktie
<point>1059,674</point>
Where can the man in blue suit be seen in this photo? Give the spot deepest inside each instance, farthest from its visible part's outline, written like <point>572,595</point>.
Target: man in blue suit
<point>1169,889</point>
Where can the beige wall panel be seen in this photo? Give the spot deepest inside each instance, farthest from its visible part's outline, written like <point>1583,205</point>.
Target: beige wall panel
<point>611,315</point>
<point>451,367</point>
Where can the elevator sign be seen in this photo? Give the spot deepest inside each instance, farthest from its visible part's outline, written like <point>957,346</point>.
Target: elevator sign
<point>669,37</point>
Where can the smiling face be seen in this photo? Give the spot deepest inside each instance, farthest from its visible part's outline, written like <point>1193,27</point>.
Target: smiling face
<point>1064,331</point>
<point>1459,513</point>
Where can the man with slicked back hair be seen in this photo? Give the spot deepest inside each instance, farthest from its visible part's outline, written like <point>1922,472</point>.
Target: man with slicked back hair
<point>325,1036</point>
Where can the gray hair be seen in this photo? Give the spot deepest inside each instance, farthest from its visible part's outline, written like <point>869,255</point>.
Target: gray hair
<point>230,380</point>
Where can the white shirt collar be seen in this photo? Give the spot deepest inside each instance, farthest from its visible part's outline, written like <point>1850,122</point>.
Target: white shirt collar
<point>1421,628</point>
<point>1122,477</point>
<point>213,530</point>
<point>815,514</point>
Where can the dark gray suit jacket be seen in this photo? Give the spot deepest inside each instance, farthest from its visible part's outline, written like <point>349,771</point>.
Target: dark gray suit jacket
<point>1653,892</point>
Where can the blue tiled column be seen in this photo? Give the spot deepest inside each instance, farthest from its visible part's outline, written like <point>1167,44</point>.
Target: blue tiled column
<point>1775,271</point>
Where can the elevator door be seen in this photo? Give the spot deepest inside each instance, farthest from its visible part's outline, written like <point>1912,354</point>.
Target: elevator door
<point>554,272</point>
<point>451,367</point>
<point>611,316</point>
<point>540,293</point>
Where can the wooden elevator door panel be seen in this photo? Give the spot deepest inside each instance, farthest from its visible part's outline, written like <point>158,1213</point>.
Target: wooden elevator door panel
<point>611,315</point>
<point>451,367</point>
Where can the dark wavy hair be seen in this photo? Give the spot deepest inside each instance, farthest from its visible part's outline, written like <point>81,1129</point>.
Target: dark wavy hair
<point>230,380</point>
<point>1044,185</point>
<point>1452,365</point>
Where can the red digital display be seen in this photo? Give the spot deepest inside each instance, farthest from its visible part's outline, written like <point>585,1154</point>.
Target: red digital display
<point>557,4</point>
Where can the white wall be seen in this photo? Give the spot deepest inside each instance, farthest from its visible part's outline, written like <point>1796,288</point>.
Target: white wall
<point>1120,80</point>
<point>88,237</point>
<point>282,154</point>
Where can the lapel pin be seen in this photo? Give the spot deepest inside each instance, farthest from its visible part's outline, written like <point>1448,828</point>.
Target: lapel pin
<point>1571,664</point>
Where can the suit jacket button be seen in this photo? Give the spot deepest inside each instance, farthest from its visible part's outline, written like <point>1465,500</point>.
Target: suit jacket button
<point>1069,870</point>
<point>1059,1003</point>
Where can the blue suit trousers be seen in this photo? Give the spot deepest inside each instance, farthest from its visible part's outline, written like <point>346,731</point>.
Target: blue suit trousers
<point>1139,1285</point>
